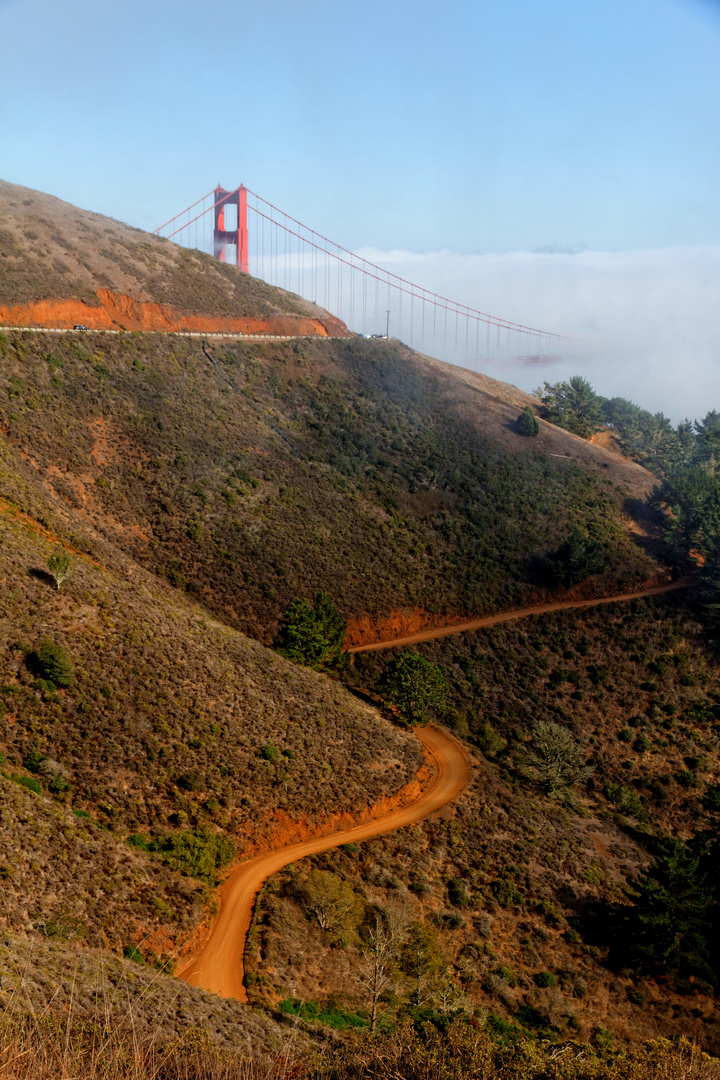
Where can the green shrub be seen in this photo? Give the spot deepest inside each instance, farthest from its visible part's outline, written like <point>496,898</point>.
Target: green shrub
<point>189,782</point>
<point>530,1017</point>
<point>53,663</point>
<point>420,883</point>
<point>130,952</point>
<point>269,752</point>
<point>136,840</point>
<point>711,798</point>
<point>328,1014</point>
<point>506,893</point>
<point>545,979</point>
<point>527,423</point>
<point>550,913</point>
<point>602,1039</point>
<point>626,800</point>
<point>161,908</point>
<point>29,782</point>
<point>488,739</point>
<point>457,893</point>
<point>199,853</point>
<point>34,760</point>
<point>59,785</point>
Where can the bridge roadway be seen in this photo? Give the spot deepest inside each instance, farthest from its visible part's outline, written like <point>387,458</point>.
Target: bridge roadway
<point>180,333</point>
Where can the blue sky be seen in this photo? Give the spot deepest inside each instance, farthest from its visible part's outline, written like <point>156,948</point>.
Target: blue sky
<point>476,126</point>
<point>469,127</point>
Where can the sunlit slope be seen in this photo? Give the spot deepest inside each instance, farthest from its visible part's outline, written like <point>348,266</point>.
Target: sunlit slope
<point>60,265</point>
<point>169,710</point>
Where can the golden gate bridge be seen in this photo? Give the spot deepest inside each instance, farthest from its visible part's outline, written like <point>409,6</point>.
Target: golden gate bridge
<point>370,299</point>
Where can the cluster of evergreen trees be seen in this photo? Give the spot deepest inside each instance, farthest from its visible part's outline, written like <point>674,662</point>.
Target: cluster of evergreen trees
<point>648,438</point>
<point>671,926</point>
<point>686,458</point>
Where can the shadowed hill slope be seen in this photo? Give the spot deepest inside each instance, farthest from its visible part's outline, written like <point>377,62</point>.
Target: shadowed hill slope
<point>168,709</point>
<point>411,488</point>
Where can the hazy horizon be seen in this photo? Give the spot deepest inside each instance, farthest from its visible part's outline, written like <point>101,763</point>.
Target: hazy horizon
<point>647,321</point>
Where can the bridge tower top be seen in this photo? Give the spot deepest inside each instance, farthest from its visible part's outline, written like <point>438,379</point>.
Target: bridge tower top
<point>237,236</point>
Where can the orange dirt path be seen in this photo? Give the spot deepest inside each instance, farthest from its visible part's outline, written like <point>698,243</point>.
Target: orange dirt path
<point>508,616</point>
<point>218,965</point>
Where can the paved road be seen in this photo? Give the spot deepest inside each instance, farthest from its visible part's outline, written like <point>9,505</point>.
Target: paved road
<point>181,333</point>
<point>218,964</point>
<point>508,616</point>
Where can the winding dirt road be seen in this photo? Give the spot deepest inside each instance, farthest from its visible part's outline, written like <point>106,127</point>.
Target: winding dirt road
<point>509,616</point>
<point>218,965</point>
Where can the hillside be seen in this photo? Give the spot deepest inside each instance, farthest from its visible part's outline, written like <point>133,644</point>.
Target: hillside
<point>168,710</point>
<point>409,489</point>
<point>60,265</point>
<point>197,496</point>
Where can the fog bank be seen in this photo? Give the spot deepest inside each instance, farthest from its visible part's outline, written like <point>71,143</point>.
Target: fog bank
<point>647,322</point>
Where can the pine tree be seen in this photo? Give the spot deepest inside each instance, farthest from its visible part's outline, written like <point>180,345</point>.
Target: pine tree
<point>672,916</point>
<point>312,636</point>
<point>55,664</point>
<point>414,684</point>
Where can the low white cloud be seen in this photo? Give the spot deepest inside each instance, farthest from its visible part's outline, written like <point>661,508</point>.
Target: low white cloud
<point>646,323</point>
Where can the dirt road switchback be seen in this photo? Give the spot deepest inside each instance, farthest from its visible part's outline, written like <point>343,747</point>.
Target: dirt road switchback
<point>508,616</point>
<point>218,965</point>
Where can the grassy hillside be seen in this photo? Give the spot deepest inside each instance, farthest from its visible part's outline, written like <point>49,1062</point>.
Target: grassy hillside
<point>51,250</point>
<point>174,728</point>
<point>116,1018</point>
<point>169,710</point>
<point>409,488</point>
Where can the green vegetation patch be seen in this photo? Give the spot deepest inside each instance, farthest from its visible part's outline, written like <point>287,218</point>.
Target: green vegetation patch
<point>327,1014</point>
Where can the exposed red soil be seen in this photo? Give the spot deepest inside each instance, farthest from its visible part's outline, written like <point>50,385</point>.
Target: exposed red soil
<point>290,830</point>
<point>102,452</point>
<point>364,629</point>
<point>120,312</point>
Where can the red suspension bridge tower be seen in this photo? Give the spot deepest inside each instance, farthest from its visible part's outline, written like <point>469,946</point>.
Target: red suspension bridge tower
<point>238,236</point>
<point>292,256</point>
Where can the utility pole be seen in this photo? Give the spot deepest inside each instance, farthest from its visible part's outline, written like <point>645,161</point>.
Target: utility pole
<point>387,326</point>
